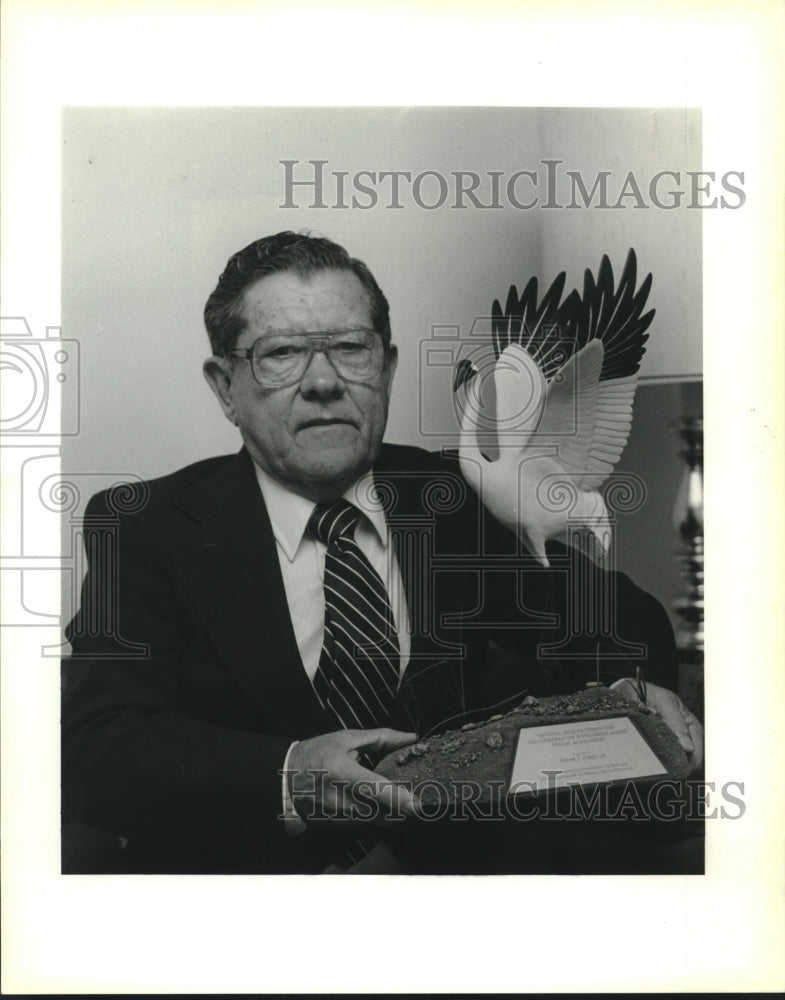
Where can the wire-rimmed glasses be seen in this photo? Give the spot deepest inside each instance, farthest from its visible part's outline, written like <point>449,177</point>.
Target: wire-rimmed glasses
<point>281,359</point>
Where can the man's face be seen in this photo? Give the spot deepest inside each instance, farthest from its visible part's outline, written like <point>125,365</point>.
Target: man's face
<point>317,436</point>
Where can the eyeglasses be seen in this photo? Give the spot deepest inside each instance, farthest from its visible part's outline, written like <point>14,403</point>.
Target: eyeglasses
<point>282,359</point>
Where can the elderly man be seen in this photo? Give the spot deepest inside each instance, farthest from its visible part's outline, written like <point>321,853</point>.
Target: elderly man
<point>306,604</point>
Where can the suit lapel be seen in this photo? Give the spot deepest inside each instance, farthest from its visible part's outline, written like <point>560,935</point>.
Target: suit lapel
<point>232,574</point>
<point>231,571</point>
<point>428,685</point>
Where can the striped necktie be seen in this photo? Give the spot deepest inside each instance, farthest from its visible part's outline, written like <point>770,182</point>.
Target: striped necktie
<point>359,666</point>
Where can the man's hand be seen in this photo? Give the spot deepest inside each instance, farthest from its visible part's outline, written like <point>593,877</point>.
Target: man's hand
<point>327,781</point>
<point>674,713</point>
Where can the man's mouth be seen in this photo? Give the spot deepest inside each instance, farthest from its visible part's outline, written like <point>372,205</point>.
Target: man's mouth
<point>324,422</point>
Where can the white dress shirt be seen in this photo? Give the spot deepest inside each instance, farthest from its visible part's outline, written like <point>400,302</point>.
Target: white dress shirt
<point>301,558</point>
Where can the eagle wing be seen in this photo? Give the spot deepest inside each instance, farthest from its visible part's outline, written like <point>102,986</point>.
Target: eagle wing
<point>586,419</point>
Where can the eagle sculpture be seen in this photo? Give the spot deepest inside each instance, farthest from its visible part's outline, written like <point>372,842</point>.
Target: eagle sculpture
<point>564,379</point>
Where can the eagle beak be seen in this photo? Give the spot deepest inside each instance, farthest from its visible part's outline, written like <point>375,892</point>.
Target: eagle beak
<point>464,371</point>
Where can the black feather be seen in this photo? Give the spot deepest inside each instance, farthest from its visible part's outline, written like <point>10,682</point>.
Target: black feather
<point>552,331</point>
<point>464,371</point>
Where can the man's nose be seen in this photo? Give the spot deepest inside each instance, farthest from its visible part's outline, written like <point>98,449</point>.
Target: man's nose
<point>320,378</point>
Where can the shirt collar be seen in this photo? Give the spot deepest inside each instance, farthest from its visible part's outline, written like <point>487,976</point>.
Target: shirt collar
<point>289,512</point>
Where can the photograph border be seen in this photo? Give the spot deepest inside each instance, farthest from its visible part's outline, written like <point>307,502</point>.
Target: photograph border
<point>86,935</point>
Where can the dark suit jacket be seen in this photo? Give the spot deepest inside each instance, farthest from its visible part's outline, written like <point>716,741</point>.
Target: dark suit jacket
<point>185,687</point>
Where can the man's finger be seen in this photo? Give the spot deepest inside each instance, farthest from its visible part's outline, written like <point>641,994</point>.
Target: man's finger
<point>669,708</point>
<point>696,732</point>
<point>379,739</point>
<point>672,716</point>
<point>674,713</point>
<point>397,798</point>
<point>389,795</point>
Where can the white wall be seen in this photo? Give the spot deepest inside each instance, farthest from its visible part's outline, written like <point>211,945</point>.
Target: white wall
<point>156,199</point>
<point>667,241</point>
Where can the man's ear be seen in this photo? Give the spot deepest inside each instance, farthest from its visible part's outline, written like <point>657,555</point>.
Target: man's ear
<point>218,375</point>
<point>392,362</point>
